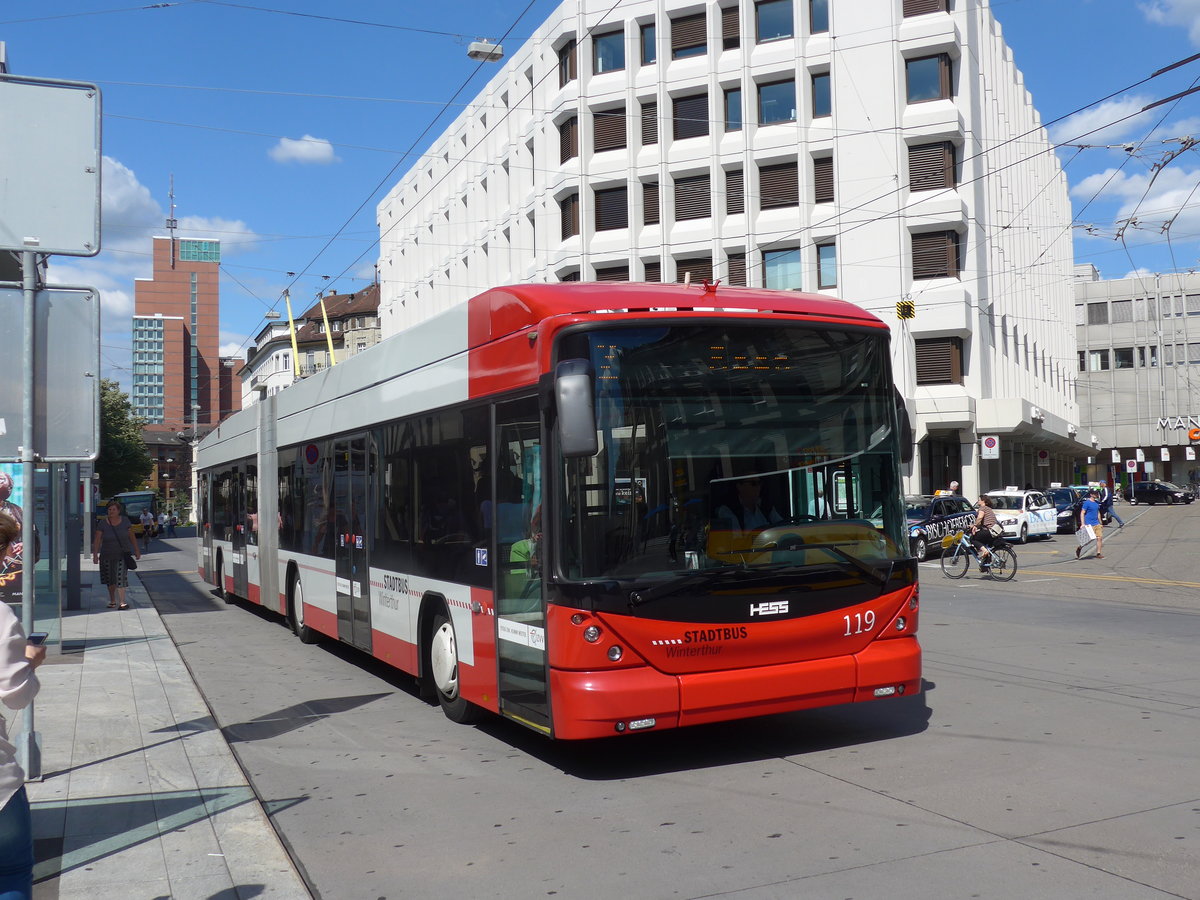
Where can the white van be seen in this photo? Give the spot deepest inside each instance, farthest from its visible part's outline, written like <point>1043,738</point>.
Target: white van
<point>1024,514</point>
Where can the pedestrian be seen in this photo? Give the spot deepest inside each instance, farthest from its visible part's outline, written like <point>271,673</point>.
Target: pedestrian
<point>18,685</point>
<point>1106,507</point>
<point>147,523</point>
<point>161,530</point>
<point>113,540</point>
<point>1089,515</point>
<point>954,487</point>
<point>171,523</point>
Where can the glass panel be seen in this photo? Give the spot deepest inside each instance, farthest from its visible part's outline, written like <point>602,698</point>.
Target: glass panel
<point>609,52</point>
<point>774,20</point>
<point>822,97</point>
<point>726,448</point>
<point>782,269</point>
<point>733,109</point>
<point>649,45</point>
<point>819,15</point>
<point>826,265</point>
<point>1123,358</point>
<point>777,102</point>
<point>924,79</point>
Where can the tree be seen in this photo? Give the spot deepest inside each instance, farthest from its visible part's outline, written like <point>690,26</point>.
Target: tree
<point>124,463</point>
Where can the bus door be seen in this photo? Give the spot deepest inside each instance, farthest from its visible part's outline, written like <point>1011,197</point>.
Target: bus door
<point>239,528</point>
<point>350,496</point>
<point>516,529</point>
<point>202,513</point>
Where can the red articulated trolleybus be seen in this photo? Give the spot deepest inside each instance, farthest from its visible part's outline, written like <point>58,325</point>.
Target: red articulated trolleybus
<point>595,509</point>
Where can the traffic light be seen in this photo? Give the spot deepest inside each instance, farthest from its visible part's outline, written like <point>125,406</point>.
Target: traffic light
<point>906,309</point>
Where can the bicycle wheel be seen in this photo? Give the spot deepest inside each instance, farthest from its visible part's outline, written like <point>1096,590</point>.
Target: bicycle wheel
<point>955,563</point>
<point>1004,564</point>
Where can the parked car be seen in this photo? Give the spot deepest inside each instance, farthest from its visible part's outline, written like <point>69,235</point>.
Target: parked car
<point>932,517</point>
<point>1152,492</point>
<point>1067,503</point>
<point>1024,514</point>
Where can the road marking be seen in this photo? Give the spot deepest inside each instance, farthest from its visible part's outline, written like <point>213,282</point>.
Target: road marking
<point>1122,578</point>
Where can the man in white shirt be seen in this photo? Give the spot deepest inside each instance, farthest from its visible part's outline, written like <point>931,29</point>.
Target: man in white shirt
<point>147,521</point>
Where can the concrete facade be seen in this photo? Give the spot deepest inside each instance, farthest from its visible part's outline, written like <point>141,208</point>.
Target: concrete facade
<point>1139,374</point>
<point>780,144</point>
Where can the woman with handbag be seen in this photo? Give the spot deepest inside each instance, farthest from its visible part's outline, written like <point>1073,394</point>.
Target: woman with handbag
<point>113,545</point>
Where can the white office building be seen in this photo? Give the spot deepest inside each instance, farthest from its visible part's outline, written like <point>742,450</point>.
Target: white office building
<point>1139,374</point>
<point>876,150</point>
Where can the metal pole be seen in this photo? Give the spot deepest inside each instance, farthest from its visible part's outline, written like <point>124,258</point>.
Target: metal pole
<point>29,751</point>
<point>74,536</point>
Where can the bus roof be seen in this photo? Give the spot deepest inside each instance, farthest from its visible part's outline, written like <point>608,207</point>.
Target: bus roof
<point>511,307</point>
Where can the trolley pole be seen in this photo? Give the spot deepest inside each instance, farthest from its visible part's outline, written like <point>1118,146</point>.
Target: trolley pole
<point>29,742</point>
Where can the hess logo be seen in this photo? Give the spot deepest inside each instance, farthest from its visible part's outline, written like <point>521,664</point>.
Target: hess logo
<point>769,608</point>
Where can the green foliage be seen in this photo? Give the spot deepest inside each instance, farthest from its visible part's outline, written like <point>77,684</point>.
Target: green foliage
<point>123,464</point>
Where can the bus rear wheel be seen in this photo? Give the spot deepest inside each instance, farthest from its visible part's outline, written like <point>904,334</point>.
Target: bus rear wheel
<point>443,669</point>
<point>296,615</point>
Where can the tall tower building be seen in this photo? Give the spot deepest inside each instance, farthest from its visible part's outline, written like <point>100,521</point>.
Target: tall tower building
<point>176,366</point>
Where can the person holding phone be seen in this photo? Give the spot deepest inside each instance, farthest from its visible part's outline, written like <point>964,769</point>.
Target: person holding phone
<point>18,685</point>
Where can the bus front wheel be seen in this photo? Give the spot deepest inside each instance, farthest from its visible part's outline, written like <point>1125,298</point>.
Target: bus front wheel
<point>443,668</point>
<point>296,615</point>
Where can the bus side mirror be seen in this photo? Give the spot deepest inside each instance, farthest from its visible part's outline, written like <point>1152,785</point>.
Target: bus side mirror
<point>906,431</point>
<point>573,404</point>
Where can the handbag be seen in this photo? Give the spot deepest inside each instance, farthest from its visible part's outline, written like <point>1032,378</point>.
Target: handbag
<point>130,561</point>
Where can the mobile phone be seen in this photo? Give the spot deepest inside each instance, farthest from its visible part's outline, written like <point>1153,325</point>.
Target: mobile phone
<point>37,638</point>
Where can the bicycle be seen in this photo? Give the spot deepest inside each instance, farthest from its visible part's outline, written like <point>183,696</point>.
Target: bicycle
<point>958,551</point>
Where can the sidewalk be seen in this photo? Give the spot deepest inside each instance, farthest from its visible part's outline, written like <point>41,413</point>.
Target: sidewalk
<point>141,797</point>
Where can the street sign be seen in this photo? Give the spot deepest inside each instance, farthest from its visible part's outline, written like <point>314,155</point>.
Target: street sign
<point>66,377</point>
<point>49,166</point>
<point>1131,466</point>
<point>990,447</point>
<point>1043,457</point>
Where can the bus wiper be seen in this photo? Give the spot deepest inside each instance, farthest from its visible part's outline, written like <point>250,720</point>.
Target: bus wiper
<point>687,580</point>
<point>871,572</point>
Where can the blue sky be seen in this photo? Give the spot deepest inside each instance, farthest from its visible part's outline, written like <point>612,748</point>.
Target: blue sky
<point>283,125</point>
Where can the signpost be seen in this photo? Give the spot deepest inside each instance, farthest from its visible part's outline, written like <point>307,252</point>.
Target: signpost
<point>49,204</point>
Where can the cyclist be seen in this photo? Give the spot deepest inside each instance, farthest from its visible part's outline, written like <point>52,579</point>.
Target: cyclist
<point>984,530</point>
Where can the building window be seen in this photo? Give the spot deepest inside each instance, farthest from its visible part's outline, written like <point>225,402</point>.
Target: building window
<point>612,273</point>
<point>778,186</point>
<point>653,272</point>
<point>735,192</point>
<point>1122,311</point>
<point>1097,314</point>
<point>608,52</point>
<point>568,208</point>
<point>650,214</point>
<point>826,265</point>
<point>733,109</point>
<point>1123,357</point>
<point>928,78</point>
<point>608,128</point>
<point>687,36</point>
<point>822,98</point>
<point>730,35</point>
<point>1098,361</point>
<point>935,255</point>
<point>823,180</point>
<point>692,199</point>
<point>649,123</point>
<point>612,209</point>
<point>737,269</point>
<point>1193,304</point>
<point>572,275</point>
<point>777,102</point>
<point>568,139</point>
<point>772,20</point>
<point>932,166</point>
<point>781,269</point>
<point>649,44</point>
<point>921,7</point>
<point>699,270</point>
<point>939,360</point>
<point>566,66</point>
<point>818,16</point>
<point>690,117</point>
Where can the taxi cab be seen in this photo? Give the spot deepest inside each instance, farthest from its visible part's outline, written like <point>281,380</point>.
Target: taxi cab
<point>1024,514</point>
<point>931,517</point>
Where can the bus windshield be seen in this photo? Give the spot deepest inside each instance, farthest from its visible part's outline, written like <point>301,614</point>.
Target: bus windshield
<point>727,446</point>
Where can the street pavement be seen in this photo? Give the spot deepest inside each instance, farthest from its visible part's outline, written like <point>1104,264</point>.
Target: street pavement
<point>141,796</point>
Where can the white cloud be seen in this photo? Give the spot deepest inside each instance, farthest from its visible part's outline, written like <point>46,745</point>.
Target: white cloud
<point>308,150</point>
<point>1108,123</point>
<point>233,347</point>
<point>1175,12</point>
